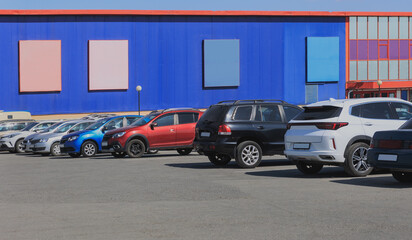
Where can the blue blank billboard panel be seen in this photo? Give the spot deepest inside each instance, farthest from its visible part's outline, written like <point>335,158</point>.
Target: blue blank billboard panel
<point>323,59</point>
<point>221,63</point>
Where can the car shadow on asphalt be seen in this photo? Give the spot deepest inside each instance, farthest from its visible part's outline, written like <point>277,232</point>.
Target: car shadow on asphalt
<point>375,181</point>
<point>231,165</point>
<point>329,172</point>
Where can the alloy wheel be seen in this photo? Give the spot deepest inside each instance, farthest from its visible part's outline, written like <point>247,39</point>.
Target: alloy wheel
<point>359,159</point>
<point>250,154</point>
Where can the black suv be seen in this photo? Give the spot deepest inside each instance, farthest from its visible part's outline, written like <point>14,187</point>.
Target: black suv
<point>244,130</point>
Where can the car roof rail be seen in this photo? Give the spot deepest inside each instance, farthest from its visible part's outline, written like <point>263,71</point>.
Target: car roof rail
<point>177,109</point>
<point>234,102</point>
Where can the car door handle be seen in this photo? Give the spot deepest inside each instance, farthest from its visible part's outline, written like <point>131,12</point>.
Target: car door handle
<point>260,127</point>
<point>368,124</point>
<point>172,130</point>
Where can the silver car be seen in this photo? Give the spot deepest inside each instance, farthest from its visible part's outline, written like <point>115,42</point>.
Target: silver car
<point>48,143</point>
<point>26,142</point>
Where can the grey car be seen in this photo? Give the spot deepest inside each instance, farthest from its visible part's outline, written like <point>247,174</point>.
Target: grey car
<point>27,145</point>
<point>48,143</point>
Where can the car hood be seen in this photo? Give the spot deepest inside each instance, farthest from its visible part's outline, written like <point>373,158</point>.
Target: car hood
<point>80,133</point>
<point>7,133</point>
<point>32,136</point>
<point>120,129</point>
<point>48,135</point>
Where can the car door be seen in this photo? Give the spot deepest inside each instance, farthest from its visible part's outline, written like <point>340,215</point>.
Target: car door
<point>270,127</point>
<point>185,128</point>
<point>162,131</point>
<point>378,117</point>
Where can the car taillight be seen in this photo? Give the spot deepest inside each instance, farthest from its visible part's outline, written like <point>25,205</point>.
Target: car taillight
<point>331,126</point>
<point>391,144</point>
<point>224,130</point>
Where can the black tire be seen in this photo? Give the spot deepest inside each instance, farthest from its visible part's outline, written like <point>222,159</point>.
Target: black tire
<point>184,151</point>
<point>152,151</point>
<point>356,161</point>
<point>119,154</point>
<point>89,149</point>
<point>18,147</point>
<point>219,159</point>
<point>248,154</point>
<point>135,148</point>
<point>55,149</point>
<point>403,177</point>
<point>45,154</point>
<point>308,168</point>
<point>74,155</point>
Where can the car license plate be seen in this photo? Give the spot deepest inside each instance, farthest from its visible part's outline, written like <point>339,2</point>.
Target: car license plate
<point>388,157</point>
<point>301,146</point>
<point>104,144</point>
<point>205,134</point>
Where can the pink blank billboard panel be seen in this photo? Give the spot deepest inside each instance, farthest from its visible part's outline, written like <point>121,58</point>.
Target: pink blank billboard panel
<point>40,66</point>
<point>108,65</point>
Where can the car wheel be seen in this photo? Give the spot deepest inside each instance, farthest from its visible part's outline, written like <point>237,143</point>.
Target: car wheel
<point>184,151</point>
<point>248,154</point>
<point>74,155</point>
<point>356,161</point>
<point>152,151</point>
<point>404,177</point>
<point>118,154</point>
<point>135,148</point>
<point>89,149</point>
<point>55,149</point>
<point>219,159</point>
<point>308,168</point>
<point>19,147</point>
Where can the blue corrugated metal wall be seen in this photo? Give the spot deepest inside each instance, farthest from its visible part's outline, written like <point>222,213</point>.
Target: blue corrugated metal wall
<point>166,58</point>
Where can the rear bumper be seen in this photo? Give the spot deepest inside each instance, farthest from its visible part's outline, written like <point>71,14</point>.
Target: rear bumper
<point>325,157</point>
<point>403,159</point>
<point>220,146</point>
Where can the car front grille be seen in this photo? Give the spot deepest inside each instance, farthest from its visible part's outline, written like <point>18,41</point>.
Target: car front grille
<point>63,141</point>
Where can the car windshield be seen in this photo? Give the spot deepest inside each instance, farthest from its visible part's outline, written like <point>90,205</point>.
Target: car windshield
<point>64,127</point>
<point>29,126</point>
<point>214,113</point>
<point>97,124</point>
<point>323,112</point>
<point>144,120</point>
<point>52,127</point>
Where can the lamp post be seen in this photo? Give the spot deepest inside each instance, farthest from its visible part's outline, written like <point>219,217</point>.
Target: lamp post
<point>379,87</point>
<point>138,89</point>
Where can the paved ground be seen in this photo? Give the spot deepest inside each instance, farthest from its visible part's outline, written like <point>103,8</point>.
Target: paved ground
<point>166,196</point>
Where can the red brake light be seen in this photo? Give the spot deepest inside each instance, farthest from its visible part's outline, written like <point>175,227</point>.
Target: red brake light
<point>224,130</point>
<point>390,144</point>
<point>331,126</point>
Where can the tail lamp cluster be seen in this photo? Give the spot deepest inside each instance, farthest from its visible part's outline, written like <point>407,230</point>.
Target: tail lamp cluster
<point>224,130</point>
<point>391,144</point>
<point>321,125</point>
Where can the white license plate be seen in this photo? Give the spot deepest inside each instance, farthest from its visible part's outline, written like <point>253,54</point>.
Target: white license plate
<point>104,144</point>
<point>301,145</point>
<point>205,134</point>
<point>388,157</point>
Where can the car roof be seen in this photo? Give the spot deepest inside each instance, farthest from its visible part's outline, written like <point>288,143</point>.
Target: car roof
<point>353,101</point>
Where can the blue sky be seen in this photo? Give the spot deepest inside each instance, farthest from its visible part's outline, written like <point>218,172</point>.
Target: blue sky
<point>270,5</point>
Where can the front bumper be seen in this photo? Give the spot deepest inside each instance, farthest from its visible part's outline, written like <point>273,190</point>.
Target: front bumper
<point>113,146</point>
<point>6,146</point>
<point>70,147</point>
<point>403,159</point>
<point>41,148</point>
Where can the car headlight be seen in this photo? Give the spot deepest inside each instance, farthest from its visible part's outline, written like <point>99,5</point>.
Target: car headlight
<point>73,138</point>
<point>44,140</point>
<point>119,134</point>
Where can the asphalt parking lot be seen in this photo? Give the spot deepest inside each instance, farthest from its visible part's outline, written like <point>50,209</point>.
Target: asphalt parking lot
<point>167,196</point>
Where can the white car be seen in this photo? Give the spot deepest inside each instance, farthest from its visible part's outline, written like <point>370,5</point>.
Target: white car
<point>338,132</point>
<point>14,141</point>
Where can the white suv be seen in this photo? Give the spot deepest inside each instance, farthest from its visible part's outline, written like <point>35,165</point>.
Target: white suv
<point>338,132</point>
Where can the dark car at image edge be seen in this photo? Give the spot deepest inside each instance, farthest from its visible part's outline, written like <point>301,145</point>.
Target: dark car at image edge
<point>243,129</point>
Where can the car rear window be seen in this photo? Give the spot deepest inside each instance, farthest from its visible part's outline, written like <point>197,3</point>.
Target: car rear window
<point>323,112</point>
<point>214,113</point>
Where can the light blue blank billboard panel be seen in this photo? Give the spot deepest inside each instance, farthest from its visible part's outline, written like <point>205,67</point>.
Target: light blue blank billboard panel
<point>221,63</point>
<point>323,59</point>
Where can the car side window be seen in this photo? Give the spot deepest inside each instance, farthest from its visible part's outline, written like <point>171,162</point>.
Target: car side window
<point>187,118</point>
<point>243,113</point>
<point>268,113</point>
<point>376,111</point>
<point>291,112</point>
<point>115,123</point>
<point>130,120</point>
<point>403,111</point>
<point>356,110</point>
<point>165,120</point>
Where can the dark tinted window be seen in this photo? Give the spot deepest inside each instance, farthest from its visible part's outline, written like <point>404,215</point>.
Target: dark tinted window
<point>291,112</point>
<point>403,111</point>
<point>215,113</point>
<point>114,124</point>
<point>356,111</point>
<point>323,112</point>
<point>166,120</point>
<point>187,117</point>
<point>243,113</point>
<point>376,111</point>
<point>268,113</point>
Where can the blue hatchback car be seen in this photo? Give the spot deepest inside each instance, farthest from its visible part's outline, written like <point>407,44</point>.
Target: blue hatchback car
<point>89,141</point>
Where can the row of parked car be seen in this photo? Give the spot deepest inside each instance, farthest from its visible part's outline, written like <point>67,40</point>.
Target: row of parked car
<point>333,132</point>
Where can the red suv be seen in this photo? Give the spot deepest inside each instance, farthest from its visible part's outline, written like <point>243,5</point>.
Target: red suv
<point>166,129</point>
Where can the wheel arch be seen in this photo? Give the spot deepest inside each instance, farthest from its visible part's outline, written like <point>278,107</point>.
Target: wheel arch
<point>361,138</point>
<point>141,138</point>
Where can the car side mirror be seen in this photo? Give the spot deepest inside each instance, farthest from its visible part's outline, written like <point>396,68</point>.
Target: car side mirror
<point>153,125</point>
<point>104,129</point>
<point>70,131</point>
